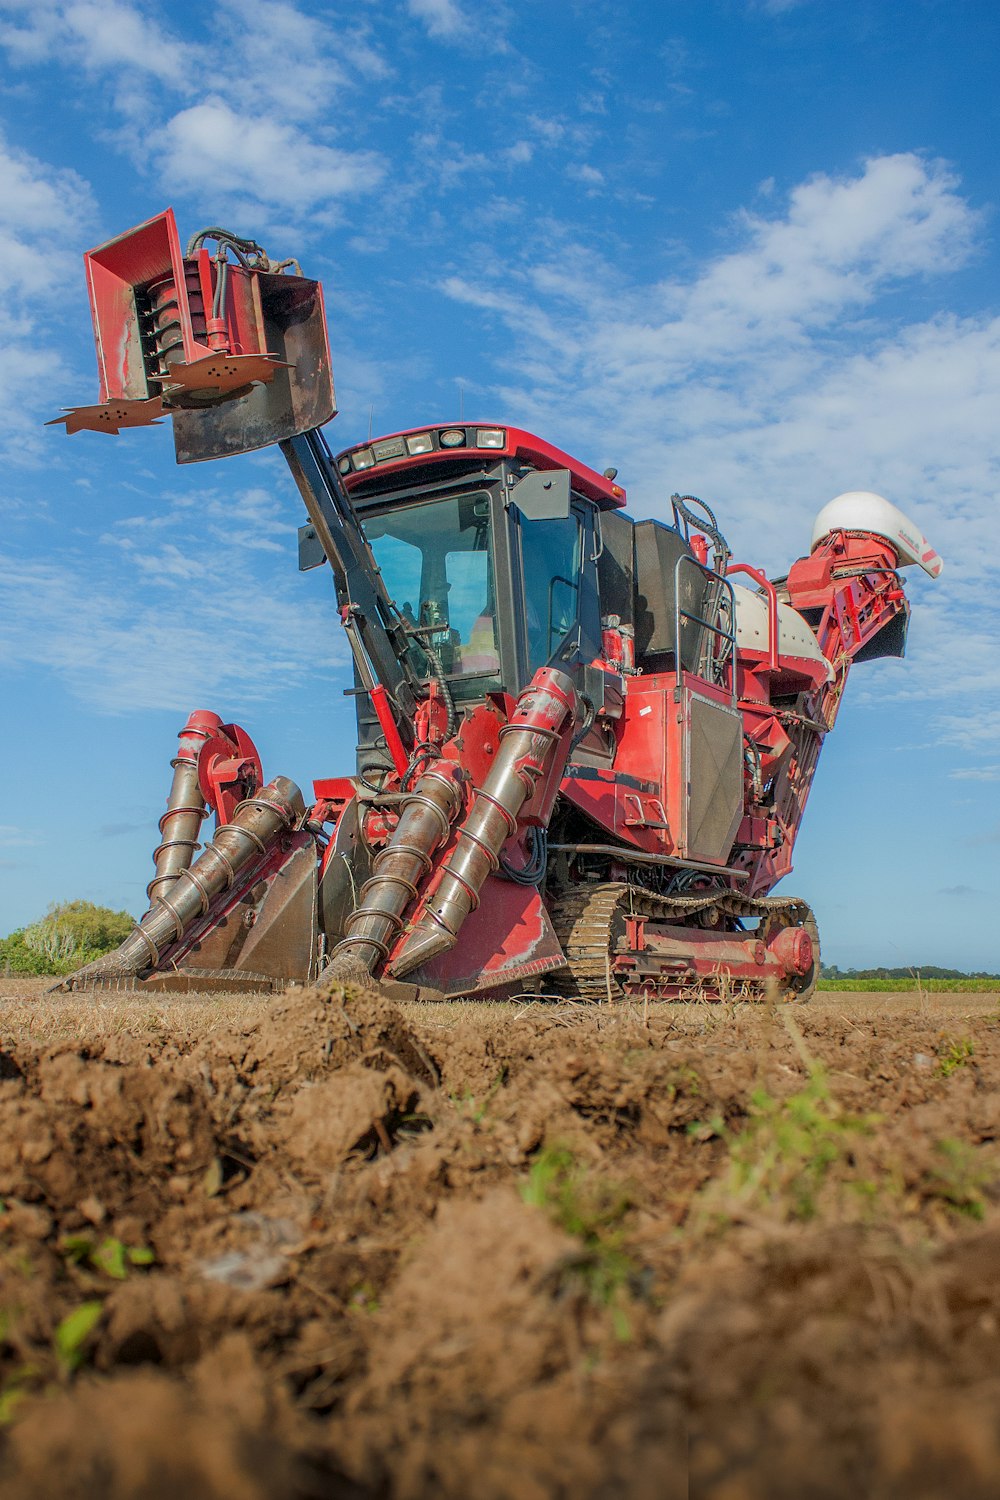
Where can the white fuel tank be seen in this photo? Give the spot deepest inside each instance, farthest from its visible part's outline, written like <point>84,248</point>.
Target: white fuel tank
<point>861,510</point>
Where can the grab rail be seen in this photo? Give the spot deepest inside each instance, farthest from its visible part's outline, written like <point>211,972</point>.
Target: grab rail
<point>772,608</point>
<point>716,657</point>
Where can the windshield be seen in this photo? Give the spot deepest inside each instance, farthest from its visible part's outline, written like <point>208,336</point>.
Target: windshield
<point>437,562</point>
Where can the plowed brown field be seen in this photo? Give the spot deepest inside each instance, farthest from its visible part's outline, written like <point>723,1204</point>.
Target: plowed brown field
<point>325,1246</point>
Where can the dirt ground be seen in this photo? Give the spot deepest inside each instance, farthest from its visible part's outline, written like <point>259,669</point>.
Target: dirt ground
<point>327,1246</point>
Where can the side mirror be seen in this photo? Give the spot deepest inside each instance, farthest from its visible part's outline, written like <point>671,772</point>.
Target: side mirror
<point>543,495</point>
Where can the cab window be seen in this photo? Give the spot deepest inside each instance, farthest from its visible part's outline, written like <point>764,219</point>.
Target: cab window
<point>552,555</point>
<point>436,561</point>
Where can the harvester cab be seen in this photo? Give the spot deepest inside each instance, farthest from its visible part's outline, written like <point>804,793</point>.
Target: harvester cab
<point>583,748</point>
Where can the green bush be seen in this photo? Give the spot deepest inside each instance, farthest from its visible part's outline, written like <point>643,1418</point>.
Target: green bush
<point>17,958</point>
<point>68,936</point>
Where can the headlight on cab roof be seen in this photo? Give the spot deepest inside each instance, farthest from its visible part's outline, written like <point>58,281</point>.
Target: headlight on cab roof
<point>453,437</point>
<point>421,442</point>
<point>363,458</point>
<point>491,437</point>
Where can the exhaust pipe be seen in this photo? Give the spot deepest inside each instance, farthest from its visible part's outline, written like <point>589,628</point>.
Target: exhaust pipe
<point>257,822</point>
<point>424,825</point>
<point>527,746</point>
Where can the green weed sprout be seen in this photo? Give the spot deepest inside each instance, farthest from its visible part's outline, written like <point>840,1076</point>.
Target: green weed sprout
<point>589,1209</point>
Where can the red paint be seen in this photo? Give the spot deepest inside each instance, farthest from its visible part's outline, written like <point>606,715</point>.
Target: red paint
<point>144,271</point>
<point>847,588</point>
<point>661,953</point>
<point>229,770</point>
<point>431,718</point>
<point>335,790</point>
<point>387,723</point>
<point>771,595</point>
<point>474,745</point>
<point>150,251</point>
<point>507,939</point>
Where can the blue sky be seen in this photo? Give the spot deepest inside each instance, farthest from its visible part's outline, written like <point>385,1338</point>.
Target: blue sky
<point>740,248</point>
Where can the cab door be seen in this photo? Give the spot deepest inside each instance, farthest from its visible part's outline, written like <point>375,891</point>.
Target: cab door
<point>558,578</point>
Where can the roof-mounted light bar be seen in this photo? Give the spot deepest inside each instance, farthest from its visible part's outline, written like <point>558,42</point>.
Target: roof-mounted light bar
<point>392,450</point>
<point>441,443</point>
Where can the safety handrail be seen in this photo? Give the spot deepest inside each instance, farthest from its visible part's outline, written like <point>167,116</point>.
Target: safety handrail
<point>772,608</point>
<point>714,628</point>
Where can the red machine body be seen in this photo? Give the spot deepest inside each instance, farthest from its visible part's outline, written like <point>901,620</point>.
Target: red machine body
<point>585,742</point>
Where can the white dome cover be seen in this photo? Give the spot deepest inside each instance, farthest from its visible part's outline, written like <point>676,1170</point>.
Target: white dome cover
<point>861,510</point>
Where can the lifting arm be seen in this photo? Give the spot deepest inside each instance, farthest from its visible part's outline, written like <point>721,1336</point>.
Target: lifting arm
<point>375,629</point>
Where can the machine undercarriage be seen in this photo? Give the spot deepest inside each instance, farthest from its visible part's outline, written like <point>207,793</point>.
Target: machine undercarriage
<point>584,748</point>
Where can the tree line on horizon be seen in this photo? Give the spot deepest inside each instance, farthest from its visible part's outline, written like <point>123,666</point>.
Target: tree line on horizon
<point>923,971</point>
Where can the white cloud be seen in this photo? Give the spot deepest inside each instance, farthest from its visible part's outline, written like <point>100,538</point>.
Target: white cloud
<point>265,54</point>
<point>549,131</point>
<point>443,18</point>
<point>584,173</point>
<point>170,631</point>
<point>12,837</point>
<point>109,36</point>
<point>32,39</point>
<point>324,61</point>
<point>44,210</point>
<point>754,383</point>
<point>256,72</point>
<point>219,152</point>
<point>520,153</point>
<point>37,199</point>
<point>839,245</point>
<point>977,729</point>
<point>32,376</point>
<point>114,35</point>
<point>738,372</point>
